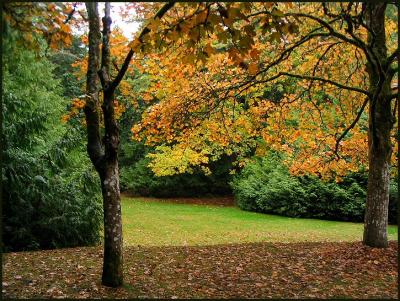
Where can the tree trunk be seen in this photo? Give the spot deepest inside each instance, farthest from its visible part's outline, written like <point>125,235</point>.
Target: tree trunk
<point>380,126</point>
<point>104,153</point>
<point>380,149</point>
<point>113,252</point>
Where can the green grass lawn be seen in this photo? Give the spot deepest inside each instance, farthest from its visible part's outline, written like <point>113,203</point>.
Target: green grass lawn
<point>169,224</point>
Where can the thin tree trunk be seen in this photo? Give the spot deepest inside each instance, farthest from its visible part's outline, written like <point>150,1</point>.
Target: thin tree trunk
<point>113,251</point>
<point>380,126</point>
<point>104,153</point>
<point>94,145</point>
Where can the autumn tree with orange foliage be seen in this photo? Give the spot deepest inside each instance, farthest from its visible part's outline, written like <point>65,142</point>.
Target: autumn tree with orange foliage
<point>209,101</point>
<point>335,61</point>
<point>52,21</point>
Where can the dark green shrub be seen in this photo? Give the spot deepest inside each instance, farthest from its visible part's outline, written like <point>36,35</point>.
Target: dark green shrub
<point>139,179</point>
<point>51,195</point>
<point>267,186</point>
<point>333,200</point>
<point>70,217</point>
<point>393,202</point>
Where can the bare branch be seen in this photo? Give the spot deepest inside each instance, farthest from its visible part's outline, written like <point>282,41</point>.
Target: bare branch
<point>392,96</point>
<point>84,17</point>
<point>94,145</point>
<point>319,60</point>
<point>354,40</point>
<point>104,70</point>
<point>331,30</point>
<point>115,65</point>
<point>105,51</point>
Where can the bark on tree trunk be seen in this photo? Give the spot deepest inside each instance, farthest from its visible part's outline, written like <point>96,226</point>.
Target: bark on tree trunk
<point>113,252</point>
<point>376,213</point>
<point>104,153</point>
<point>380,126</point>
<point>113,244</point>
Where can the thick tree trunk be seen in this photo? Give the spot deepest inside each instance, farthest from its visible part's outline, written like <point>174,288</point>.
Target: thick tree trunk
<point>380,126</point>
<point>376,214</point>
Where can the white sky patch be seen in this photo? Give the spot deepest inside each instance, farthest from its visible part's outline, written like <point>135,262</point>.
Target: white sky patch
<point>128,27</point>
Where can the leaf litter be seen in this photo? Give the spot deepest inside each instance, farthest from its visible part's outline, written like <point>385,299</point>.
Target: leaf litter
<point>251,270</point>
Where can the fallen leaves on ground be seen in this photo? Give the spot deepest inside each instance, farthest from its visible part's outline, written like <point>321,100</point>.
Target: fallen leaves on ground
<point>257,270</point>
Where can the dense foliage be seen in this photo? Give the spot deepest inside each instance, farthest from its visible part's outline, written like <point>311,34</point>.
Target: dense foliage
<point>50,193</point>
<point>139,179</point>
<point>136,175</point>
<point>267,186</point>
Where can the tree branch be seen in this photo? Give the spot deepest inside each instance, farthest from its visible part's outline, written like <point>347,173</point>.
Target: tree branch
<point>319,60</point>
<point>115,65</point>
<point>105,51</point>
<point>354,40</point>
<point>329,28</point>
<point>392,96</point>
<point>352,125</point>
<point>71,13</point>
<point>85,18</point>
<point>290,49</point>
<point>94,145</point>
<point>328,81</point>
<point>144,31</point>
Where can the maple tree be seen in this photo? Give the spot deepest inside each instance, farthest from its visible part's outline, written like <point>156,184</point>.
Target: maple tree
<point>202,92</point>
<point>188,117</point>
